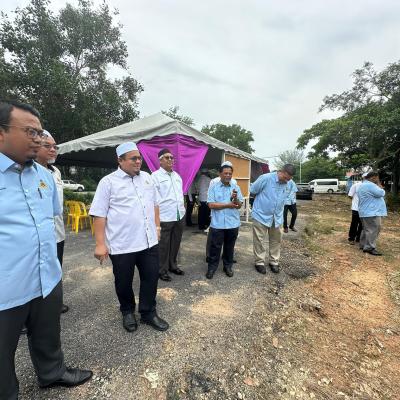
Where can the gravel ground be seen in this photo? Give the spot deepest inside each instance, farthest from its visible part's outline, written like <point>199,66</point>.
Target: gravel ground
<point>225,339</point>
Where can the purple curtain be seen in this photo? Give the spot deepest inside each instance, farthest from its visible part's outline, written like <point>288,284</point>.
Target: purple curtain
<point>188,152</point>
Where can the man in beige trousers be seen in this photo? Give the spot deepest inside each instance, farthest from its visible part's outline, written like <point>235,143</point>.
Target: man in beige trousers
<point>270,191</point>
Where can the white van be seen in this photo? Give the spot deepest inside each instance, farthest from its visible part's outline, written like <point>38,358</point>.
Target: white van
<point>324,185</point>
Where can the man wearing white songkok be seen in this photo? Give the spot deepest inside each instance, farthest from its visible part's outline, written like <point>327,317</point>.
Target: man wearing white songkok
<point>127,227</point>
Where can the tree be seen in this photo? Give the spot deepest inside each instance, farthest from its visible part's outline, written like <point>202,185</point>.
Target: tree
<point>173,113</point>
<point>59,62</point>
<point>295,157</point>
<point>233,135</point>
<point>321,168</point>
<point>368,132</point>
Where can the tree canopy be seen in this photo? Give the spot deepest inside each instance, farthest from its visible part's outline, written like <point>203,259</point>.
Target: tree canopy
<point>173,113</point>
<point>368,132</point>
<point>233,135</point>
<point>59,63</point>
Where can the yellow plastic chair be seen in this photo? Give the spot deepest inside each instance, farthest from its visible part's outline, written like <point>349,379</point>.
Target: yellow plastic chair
<point>70,206</point>
<point>81,215</point>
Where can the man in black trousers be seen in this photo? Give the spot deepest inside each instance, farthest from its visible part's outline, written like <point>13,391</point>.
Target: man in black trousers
<point>30,273</point>
<point>224,200</point>
<point>127,228</point>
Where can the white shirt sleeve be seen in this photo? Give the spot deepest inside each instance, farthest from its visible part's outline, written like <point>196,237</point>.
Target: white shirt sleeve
<point>101,200</point>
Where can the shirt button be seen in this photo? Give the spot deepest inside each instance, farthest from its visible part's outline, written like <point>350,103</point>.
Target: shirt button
<point>38,225</point>
<point>41,243</point>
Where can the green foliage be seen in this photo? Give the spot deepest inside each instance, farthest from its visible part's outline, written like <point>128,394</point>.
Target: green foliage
<point>89,184</point>
<point>393,202</point>
<point>86,198</point>
<point>58,63</point>
<point>321,168</point>
<point>368,132</point>
<point>173,113</point>
<point>233,135</point>
<point>295,157</point>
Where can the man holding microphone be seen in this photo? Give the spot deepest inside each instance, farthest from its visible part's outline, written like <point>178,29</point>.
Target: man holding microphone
<point>224,200</point>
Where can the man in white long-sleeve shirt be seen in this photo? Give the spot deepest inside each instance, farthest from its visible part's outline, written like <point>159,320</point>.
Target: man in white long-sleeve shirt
<point>172,210</point>
<point>204,212</point>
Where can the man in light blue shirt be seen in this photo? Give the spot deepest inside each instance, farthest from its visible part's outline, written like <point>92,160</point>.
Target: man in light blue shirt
<point>290,205</point>
<point>271,191</point>
<point>371,208</point>
<point>224,200</point>
<point>30,274</point>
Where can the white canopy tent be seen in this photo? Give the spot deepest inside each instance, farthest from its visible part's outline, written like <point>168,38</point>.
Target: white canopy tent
<point>98,149</point>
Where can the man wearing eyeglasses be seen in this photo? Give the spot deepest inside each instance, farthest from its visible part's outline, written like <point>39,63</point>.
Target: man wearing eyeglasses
<point>46,157</point>
<point>30,274</point>
<point>172,210</point>
<point>270,191</point>
<point>126,226</point>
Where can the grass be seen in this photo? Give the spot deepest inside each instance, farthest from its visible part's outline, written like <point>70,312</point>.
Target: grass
<point>316,225</point>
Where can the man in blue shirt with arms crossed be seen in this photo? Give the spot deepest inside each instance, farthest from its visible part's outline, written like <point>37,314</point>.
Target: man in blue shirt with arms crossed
<point>224,200</point>
<point>371,208</point>
<point>271,191</point>
<point>30,274</point>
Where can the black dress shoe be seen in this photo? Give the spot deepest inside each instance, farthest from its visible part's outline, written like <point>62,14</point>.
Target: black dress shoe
<point>72,377</point>
<point>156,322</point>
<point>293,229</point>
<point>165,277</point>
<point>234,261</point>
<point>274,268</point>
<point>64,309</point>
<point>228,271</point>
<point>209,274</point>
<point>177,271</point>
<point>129,322</point>
<point>373,252</point>
<point>261,269</point>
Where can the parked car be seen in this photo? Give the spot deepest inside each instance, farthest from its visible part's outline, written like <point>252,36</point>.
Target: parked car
<point>324,185</point>
<point>71,185</point>
<point>304,192</point>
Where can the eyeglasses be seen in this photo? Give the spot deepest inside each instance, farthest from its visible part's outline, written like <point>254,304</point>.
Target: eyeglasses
<point>30,132</point>
<point>169,157</point>
<point>136,158</point>
<point>50,146</point>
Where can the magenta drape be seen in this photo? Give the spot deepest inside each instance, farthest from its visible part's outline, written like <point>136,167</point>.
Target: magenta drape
<point>188,152</point>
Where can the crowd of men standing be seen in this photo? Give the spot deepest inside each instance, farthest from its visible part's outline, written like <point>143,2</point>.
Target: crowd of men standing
<point>138,222</point>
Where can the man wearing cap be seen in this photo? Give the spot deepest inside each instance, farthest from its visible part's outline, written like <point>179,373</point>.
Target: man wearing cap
<point>271,191</point>
<point>355,225</point>
<point>204,211</point>
<point>126,225</point>
<point>371,208</point>
<point>172,210</point>
<point>224,200</point>
<point>46,157</point>
<point>30,274</point>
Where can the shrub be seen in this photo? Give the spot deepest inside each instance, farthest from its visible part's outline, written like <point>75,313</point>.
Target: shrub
<point>86,198</point>
<point>90,184</point>
<point>393,202</point>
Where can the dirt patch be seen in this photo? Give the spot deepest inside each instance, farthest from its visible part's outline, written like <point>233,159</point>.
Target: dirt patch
<point>215,305</point>
<point>167,294</point>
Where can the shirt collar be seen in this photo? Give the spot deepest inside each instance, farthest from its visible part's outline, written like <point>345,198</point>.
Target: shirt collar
<point>222,184</point>
<point>119,172</point>
<point>165,171</point>
<point>6,163</point>
<point>276,177</point>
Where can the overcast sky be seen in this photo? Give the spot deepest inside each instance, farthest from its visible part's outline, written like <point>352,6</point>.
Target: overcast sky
<point>265,65</point>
